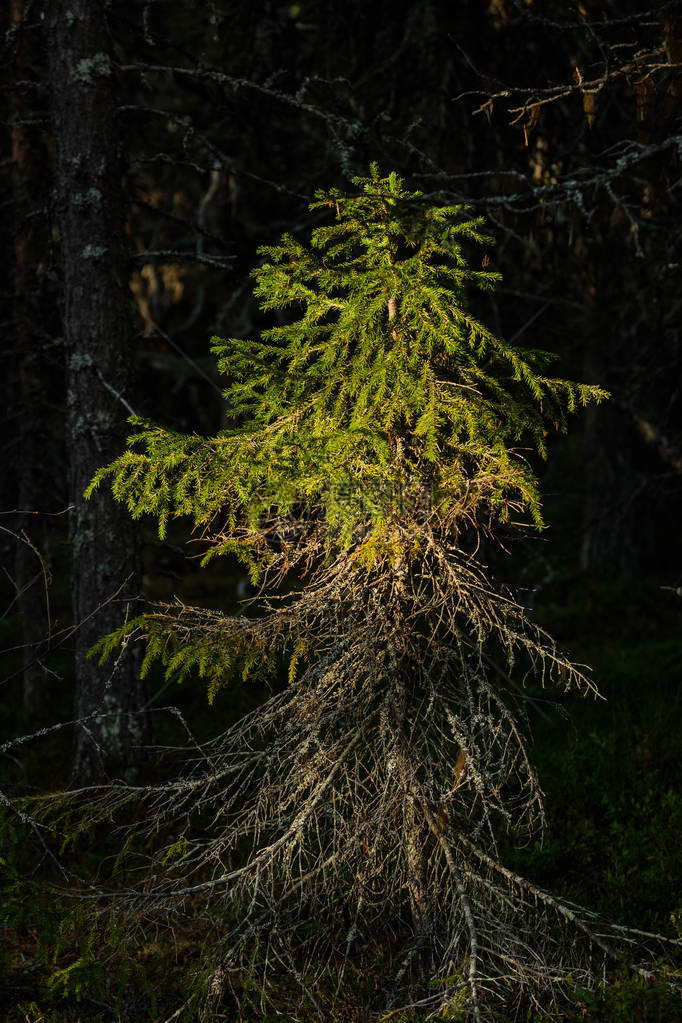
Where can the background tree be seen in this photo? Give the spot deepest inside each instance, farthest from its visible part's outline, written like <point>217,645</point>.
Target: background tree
<point>375,445</point>
<point>31,357</point>
<point>96,325</point>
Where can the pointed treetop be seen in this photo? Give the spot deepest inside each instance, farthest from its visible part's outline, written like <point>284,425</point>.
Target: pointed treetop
<point>377,380</point>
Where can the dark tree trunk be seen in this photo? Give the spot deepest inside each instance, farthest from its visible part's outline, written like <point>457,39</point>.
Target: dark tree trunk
<point>612,539</point>
<point>96,326</point>
<point>31,384</point>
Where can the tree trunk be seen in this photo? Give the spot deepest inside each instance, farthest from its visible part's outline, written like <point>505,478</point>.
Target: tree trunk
<point>98,337</point>
<point>613,537</point>
<point>411,824</point>
<point>31,384</point>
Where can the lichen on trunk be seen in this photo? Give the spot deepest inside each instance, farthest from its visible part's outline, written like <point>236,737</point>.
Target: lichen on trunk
<point>90,218</point>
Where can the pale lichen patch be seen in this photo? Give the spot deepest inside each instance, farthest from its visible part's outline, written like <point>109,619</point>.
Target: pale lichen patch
<point>89,68</point>
<point>94,251</point>
<point>92,197</point>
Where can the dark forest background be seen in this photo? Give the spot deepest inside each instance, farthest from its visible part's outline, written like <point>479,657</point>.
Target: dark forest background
<point>148,150</point>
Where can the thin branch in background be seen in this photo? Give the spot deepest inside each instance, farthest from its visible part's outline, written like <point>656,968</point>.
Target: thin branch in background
<point>119,397</point>
<point>184,355</point>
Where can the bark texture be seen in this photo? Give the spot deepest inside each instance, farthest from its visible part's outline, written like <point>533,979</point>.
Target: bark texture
<point>613,537</point>
<point>29,394</point>
<point>96,326</point>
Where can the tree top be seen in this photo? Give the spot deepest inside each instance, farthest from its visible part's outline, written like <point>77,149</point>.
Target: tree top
<point>377,395</point>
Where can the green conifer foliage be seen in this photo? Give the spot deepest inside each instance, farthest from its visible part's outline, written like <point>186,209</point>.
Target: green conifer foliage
<point>356,814</point>
<point>379,355</point>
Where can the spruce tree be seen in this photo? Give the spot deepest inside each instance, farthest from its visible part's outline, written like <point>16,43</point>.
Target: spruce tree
<point>352,822</point>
